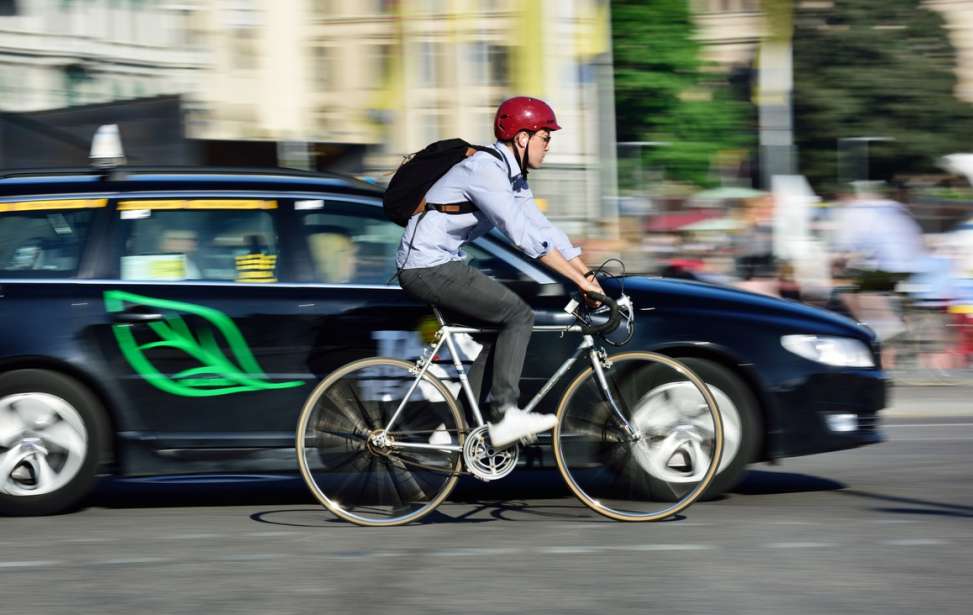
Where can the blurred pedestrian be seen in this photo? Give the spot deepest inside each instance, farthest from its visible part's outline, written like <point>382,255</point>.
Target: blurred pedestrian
<point>877,245</point>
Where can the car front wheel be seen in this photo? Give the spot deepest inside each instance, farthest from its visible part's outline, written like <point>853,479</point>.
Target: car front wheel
<point>52,431</point>
<point>738,408</point>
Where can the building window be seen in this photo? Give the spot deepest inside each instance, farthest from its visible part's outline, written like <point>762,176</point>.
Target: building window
<point>244,49</point>
<point>435,7</point>
<point>498,64</point>
<point>75,76</point>
<point>431,126</point>
<point>380,61</point>
<point>324,68</point>
<point>491,63</point>
<point>430,64</point>
<point>324,9</point>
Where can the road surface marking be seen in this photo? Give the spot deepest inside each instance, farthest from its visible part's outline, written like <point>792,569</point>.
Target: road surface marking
<point>132,560</point>
<point>40,563</point>
<point>474,551</point>
<point>914,542</point>
<point>664,547</point>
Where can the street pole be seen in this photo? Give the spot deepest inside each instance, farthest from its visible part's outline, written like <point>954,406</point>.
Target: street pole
<point>775,81</point>
<point>862,170</point>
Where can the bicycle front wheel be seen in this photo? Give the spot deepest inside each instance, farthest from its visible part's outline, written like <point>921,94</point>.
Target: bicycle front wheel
<point>363,472</point>
<point>666,457</point>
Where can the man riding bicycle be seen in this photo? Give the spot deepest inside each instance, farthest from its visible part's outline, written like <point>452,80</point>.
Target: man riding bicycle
<point>431,261</point>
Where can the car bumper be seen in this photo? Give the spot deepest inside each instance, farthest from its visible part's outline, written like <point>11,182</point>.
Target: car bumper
<point>828,412</point>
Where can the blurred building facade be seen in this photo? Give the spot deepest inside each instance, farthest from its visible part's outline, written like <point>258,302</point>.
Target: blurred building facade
<point>63,53</point>
<point>385,76</point>
<point>397,75</point>
<point>959,21</point>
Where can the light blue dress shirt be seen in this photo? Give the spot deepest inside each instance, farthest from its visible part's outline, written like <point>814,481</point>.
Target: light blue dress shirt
<point>502,199</point>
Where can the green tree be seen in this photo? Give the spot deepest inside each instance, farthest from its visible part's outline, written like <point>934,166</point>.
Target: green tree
<point>874,68</point>
<point>664,93</point>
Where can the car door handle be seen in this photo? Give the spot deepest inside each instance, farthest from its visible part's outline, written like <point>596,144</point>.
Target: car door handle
<point>136,317</point>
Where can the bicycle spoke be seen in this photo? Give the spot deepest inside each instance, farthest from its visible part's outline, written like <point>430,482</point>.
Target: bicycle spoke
<point>354,468</point>
<point>661,468</point>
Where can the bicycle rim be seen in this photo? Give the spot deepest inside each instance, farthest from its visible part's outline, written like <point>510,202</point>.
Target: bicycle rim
<point>379,485</point>
<point>671,461</point>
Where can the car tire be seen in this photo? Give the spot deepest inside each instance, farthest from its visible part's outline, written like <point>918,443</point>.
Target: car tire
<point>53,433</point>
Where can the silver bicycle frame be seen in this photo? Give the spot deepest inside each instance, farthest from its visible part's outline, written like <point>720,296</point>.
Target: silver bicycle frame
<point>445,336</point>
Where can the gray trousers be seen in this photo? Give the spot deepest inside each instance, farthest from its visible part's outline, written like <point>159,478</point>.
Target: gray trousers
<point>460,289</point>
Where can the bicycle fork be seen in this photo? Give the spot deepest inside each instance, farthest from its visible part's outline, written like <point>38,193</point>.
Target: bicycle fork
<point>600,362</point>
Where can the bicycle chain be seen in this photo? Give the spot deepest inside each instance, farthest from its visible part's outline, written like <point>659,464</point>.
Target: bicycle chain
<point>422,466</point>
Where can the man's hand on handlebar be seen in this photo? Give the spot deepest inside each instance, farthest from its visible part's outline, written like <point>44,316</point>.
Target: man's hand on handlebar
<point>591,285</point>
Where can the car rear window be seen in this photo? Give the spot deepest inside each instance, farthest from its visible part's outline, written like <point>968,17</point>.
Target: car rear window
<point>44,238</point>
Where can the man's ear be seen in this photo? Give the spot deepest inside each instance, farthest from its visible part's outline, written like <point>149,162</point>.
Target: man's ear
<point>522,138</point>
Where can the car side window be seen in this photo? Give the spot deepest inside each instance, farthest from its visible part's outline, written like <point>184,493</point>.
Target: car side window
<point>491,264</point>
<point>44,238</point>
<point>351,249</point>
<point>227,241</point>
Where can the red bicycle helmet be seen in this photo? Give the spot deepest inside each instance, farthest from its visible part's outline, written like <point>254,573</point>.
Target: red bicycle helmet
<point>523,113</point>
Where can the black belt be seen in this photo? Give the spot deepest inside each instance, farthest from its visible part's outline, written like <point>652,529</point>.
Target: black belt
<point>464,207</point>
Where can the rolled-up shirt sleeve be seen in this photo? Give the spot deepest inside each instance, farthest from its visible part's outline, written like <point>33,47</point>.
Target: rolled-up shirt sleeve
<point>489,189</point>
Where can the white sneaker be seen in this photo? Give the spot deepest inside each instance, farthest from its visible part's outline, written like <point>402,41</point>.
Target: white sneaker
<point>440,436</point>
<point>516,424</point>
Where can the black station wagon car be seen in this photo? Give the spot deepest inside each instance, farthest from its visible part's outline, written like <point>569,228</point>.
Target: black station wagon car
<point>163,321</point>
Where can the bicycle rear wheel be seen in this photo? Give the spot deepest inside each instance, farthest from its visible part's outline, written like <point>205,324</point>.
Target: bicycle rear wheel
<point>355,472</point>
<point>666,465</point>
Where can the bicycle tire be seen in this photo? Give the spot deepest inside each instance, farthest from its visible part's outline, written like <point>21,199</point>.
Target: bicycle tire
<point>622,478</point>
<point>366,484</point>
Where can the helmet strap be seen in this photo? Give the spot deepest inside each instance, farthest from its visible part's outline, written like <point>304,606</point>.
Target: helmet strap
<point>522,162</point>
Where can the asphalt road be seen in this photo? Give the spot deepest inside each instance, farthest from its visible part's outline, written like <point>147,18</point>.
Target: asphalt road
<point>883,529</point>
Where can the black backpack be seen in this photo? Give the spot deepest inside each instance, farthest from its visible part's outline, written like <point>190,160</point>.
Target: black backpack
<point>405,194</point>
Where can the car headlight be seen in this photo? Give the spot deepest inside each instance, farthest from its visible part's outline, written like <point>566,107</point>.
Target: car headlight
<point>839,351</point>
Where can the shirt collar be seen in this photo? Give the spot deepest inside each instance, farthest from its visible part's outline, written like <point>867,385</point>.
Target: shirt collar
<point>509,155</point>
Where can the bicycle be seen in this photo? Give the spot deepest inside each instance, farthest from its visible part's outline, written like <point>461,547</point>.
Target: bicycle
<point>382,441</point>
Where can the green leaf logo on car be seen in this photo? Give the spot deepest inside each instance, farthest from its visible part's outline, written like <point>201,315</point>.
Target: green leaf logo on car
<point>216,374</point>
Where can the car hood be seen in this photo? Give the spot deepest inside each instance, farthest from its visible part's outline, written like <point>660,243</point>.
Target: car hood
<point>670,294</point>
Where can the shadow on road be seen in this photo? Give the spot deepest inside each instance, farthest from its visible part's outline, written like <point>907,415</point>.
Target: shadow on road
<point>762,482</point>
<point>523,496</point>
<point>199,490</point>
<point>918,507</point>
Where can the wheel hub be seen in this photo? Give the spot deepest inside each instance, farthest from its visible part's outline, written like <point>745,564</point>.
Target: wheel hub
<point>677,427</point>
<point>43,443</point>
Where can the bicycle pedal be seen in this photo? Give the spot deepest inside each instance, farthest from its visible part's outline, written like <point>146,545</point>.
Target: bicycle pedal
<point>529,439</point>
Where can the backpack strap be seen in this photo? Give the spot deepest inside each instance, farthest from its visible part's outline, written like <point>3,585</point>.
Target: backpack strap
<point>462,207</point>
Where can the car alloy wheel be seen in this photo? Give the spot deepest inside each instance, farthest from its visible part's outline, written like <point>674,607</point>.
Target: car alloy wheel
<point>673,408</point>
<point>43,443</point>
